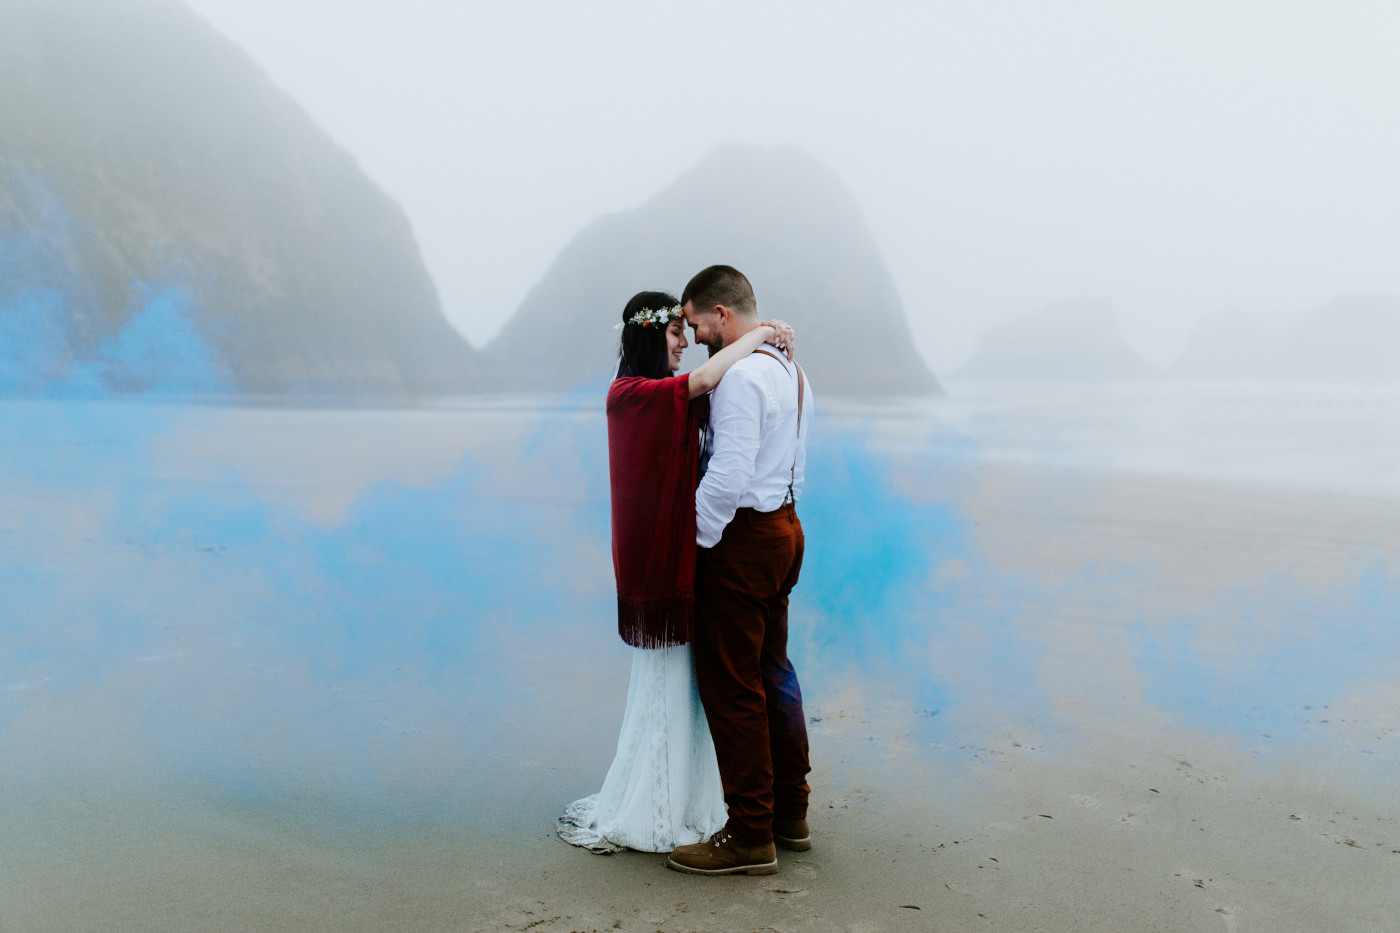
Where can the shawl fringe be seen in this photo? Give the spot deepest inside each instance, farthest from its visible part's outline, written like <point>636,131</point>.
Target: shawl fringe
<point>656,623</point>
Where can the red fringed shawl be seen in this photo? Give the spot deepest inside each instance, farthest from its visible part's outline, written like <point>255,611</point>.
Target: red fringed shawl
<point>654,465</point>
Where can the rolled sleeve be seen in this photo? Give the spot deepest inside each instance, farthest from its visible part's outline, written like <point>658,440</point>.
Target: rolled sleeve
<point>737,407</point>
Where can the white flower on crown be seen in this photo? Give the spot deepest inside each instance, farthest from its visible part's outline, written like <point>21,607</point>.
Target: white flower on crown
<point>648,316</point>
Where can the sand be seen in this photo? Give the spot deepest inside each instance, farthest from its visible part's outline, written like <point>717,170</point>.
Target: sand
<point>1119,698</point>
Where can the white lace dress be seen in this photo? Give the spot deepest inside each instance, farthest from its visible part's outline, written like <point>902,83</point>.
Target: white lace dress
<point>663,789</point>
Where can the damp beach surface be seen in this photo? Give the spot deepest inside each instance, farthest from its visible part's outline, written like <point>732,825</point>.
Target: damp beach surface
<point>1109,657</point>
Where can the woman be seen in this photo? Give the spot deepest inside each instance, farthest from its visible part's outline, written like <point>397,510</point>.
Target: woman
<point>663,789</point>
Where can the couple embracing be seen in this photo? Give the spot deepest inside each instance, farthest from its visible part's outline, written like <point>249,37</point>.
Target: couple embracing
<point>706,468</point>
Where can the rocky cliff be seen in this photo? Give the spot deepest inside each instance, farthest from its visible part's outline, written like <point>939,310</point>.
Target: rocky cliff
<point>142,152</point>
<point>782,219</point>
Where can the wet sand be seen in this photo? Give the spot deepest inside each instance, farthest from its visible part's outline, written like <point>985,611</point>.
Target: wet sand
<point>1106,697</point>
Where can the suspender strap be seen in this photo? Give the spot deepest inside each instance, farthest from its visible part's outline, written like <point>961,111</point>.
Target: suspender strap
<point>801,391</point>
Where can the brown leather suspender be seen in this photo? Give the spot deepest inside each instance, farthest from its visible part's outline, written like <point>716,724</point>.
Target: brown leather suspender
<point>792,476</point>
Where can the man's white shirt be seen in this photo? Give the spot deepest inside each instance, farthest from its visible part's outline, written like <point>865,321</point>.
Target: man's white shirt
<point>753,437</point>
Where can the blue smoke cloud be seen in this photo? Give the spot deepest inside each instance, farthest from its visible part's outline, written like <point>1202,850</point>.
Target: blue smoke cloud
<point>171,616</point>
<point>45,292</point>
<point>437,633</point>
<point>1297,651</point>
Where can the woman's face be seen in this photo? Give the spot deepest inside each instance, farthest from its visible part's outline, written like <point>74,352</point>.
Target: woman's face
<point>675,344</point>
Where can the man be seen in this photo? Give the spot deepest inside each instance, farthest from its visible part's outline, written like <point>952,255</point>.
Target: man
<point>750,552</point>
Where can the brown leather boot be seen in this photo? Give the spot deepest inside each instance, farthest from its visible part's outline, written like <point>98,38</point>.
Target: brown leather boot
<point>792,834</point>
<point>721,854</point>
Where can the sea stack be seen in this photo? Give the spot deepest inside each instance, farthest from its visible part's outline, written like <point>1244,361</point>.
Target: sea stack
<point>1352,340</point>
<point>1077,341</point>
<point>778,216</point>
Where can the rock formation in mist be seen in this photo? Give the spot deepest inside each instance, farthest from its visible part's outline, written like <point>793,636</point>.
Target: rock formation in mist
<point>779,217</point>
<point>1355,339</point>
<point>1071,342</point>
<point>138,147</point>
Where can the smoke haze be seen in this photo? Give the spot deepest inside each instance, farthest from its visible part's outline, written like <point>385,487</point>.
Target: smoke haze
<point>1074,623</point>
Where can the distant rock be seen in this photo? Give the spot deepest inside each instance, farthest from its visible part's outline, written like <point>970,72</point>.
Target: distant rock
<point>140,147</point>
<point>779,217</point>
<point>1072,342</point>
<point>1351,340</point>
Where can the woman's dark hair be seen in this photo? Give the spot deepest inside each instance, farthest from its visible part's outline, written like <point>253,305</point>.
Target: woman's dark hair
<point>643,351</point>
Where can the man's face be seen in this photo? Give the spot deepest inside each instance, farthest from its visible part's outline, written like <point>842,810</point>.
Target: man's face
<point>705,324</point>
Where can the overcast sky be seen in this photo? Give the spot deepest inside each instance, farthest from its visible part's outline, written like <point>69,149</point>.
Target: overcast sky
<point>1177,158</point>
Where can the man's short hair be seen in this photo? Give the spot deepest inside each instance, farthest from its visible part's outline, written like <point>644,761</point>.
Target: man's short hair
<point>721,285</point>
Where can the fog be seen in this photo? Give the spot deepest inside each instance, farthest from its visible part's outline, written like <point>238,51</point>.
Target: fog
<point>272,663</point>
<point>1174,160</point>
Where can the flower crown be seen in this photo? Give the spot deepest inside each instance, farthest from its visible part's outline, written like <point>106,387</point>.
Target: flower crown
<point>649,316</point>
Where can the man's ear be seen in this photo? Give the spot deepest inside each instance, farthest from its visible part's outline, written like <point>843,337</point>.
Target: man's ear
<point>724,314</point>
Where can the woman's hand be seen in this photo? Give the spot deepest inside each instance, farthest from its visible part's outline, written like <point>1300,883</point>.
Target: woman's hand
<point>708,374</point>
<point>783,336</point>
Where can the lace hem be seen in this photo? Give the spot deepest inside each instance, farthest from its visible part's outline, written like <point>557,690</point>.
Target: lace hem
<point>663,788</point>
<point>576,827</point>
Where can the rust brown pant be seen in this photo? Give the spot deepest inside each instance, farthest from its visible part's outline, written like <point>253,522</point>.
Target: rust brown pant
<point>747,683</point>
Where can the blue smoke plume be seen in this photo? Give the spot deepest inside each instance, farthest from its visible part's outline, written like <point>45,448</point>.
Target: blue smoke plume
<point>177,616</point>
<point>45,293</point>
